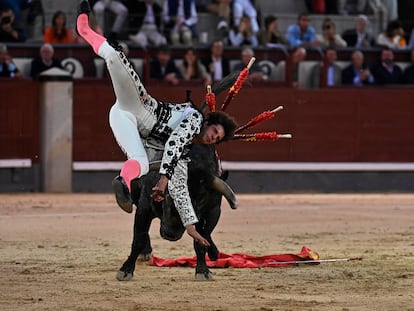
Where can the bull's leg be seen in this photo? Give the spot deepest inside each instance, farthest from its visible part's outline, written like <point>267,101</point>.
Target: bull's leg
<point>211,218</point>
<point>145,254</point>
<point>202,271</point>
<point>143,218</point>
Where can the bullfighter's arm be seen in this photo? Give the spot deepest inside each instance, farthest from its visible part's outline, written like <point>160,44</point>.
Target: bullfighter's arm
<point>178,190</point>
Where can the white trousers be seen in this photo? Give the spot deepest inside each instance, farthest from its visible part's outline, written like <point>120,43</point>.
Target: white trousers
<point>132,116</point>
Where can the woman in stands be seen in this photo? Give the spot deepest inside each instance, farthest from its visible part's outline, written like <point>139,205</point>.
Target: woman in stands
<point>136,116</point>
<point>192,69</point>
<point>58,32</point>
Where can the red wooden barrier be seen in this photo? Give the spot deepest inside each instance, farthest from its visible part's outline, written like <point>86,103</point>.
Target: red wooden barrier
<point>19,119</point>
<point>343,124</point>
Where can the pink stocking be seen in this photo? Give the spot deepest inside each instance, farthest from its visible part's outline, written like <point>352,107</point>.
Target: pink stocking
<point>93,38</point>
<point>130,170</point>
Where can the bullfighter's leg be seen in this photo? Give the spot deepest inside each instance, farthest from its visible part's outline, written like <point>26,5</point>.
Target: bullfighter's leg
<point>132,112</point>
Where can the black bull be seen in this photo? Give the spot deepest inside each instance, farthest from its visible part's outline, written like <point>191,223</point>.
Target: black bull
<point>206,191</point>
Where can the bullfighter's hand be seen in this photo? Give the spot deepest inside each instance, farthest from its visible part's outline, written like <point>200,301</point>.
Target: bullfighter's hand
<point>191,230</point>
<point>159,189</point>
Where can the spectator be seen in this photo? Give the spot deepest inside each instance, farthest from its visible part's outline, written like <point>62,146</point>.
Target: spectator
<point>359,37</point>
<point>411,43</point>
<point>216,64</point>
<point>408,75</point>
<point>9,31</point>
<point>44,61</point>
<point>384,10</point>
<point>7,68</point>
<point>180,18</point>
<point>357,73</point>
<point>58,32</point>
<point>327,72</point>
<point>301,33</point>
<point>298,55</point>
<point>222,9</point>
<point>243,8</point>
<point>116,7</point>
<point>356,7</point>
<point>255,74</point>
<point>192,69</point>
<point>387,72</point>
<point>19,8</point>
<point>147,19</point>
<point>163,67</point>
<point>329,37</point>
<point>393,37</point>
<point>243,34</point>
<point>272,37</point>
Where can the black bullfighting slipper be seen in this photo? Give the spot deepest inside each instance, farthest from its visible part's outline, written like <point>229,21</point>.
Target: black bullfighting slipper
<point>122,194</point>
<point>84,7</point>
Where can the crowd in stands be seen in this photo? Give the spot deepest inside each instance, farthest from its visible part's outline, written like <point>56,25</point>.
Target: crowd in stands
<point>159,24</point>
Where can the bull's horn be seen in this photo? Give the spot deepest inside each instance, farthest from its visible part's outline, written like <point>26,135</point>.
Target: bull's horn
<point>222,187</point>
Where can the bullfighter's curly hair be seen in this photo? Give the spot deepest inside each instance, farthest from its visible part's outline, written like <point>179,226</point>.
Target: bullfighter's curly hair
<point>222,118</point>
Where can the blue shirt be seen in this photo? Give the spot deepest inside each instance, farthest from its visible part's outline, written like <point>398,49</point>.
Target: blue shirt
<point>294,35</point>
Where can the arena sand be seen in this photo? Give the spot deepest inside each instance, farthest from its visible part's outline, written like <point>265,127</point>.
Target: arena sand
<point>61,252</point>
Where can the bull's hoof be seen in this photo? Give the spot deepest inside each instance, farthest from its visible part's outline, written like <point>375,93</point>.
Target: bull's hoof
<point>126,272</point>
<point>144,257</point>
<point>204,276</point>
<point>124,275</point>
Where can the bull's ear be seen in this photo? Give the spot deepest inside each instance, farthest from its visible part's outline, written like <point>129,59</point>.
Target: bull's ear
<point>222,187</point>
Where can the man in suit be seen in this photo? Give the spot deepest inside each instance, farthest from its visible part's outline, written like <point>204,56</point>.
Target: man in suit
<point>44,61</point>
<point>163,67</point>
<point>409,71</point>
<point>359,37</point>
<point>327,73</point>
<point>357,73</point>
<point>386,71</point>
<point>216,64</point>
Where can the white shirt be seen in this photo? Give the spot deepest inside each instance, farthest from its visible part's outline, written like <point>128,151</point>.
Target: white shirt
<point>330,80</point>
<point>218,70</point>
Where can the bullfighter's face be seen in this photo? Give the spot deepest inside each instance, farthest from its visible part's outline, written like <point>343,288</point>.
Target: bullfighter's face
<point>211,134</point>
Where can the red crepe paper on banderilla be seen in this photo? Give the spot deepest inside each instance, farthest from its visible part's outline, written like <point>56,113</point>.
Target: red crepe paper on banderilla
<point>238,260</point>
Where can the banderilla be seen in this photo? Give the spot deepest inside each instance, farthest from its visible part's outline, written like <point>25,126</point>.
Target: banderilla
<point>297,262</point>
